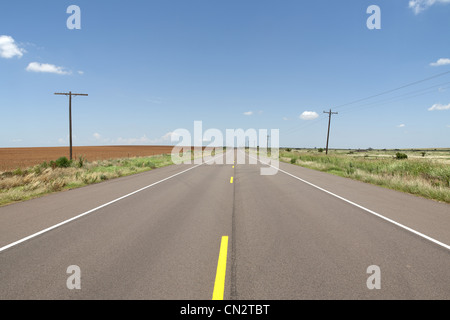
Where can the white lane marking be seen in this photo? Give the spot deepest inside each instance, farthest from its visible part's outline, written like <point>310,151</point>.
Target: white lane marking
<point>446,246</point>
<point>95,209</point>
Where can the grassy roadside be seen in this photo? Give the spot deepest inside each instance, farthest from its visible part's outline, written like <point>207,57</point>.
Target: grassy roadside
<point>427,176</point>
<point>46,178</point>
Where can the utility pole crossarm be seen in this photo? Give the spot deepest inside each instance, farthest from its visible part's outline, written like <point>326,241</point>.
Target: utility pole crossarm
<point>73,94</point>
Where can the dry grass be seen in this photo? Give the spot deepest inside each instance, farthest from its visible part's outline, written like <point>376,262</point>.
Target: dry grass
<point>427,176</point>
<point>36,181</point>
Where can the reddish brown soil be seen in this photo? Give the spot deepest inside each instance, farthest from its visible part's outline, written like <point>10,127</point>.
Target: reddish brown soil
<point>13,158</point>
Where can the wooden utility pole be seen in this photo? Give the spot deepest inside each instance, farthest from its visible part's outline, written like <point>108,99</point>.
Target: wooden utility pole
<point>329,125</point>
<point>70,94</point>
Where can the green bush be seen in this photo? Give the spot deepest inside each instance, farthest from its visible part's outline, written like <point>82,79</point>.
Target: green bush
<point>401,156</point>
<point>44,165</point>
<point>62,162</point>
<point>294,160</point>
<point>320,150</point>
<point>18,172</point>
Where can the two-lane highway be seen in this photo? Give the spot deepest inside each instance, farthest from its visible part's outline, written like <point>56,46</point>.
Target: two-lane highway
<point>285,238</point>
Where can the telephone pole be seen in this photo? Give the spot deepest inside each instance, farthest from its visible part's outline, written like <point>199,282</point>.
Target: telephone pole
<point>70,94</point>
<point>329,125</point>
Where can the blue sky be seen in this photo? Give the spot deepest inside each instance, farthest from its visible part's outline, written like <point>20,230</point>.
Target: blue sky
<point>151,67</point>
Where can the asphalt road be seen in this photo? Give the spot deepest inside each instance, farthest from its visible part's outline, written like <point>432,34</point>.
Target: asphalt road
<point>287,239</point>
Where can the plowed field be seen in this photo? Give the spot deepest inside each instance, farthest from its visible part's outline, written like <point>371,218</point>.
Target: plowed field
<point>13,158</point>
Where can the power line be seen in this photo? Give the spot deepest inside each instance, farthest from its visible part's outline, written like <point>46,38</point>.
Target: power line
<point>304,125</point>
<point>393,90</point>
<point>408,95</point>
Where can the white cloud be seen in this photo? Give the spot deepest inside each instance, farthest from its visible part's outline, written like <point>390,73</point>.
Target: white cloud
<point>439,106</point>
<point>285,118</point>
<point>440,62</point>
<point>420,5</point>
<point>401,126</point>
<point>80,72</point>
<point>248,113</point>
<point>46,68</point>
<point>9,49</point>
<point>309,115</point>
<point>97,136</point>
<point>168,136</point>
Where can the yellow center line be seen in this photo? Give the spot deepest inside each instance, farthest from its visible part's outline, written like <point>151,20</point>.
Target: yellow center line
<point>231,180</point>
<point>219,285</point>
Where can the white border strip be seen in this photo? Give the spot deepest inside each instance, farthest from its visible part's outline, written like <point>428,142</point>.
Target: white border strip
<point>446,246</point>
<point>95,209</point>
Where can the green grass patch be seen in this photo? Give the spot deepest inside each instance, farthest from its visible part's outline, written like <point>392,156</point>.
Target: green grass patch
<point>407,171</point>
